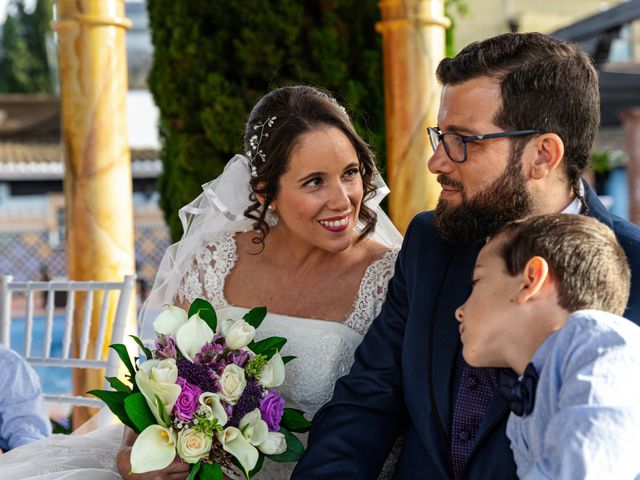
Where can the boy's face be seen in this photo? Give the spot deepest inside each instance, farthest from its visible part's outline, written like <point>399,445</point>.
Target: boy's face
<point>489,317</point>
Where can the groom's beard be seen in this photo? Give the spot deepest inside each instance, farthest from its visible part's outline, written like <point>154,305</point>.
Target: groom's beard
<point>506,199</point>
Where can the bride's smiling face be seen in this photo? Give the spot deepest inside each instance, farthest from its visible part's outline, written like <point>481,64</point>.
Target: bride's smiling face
<point>320,193</point>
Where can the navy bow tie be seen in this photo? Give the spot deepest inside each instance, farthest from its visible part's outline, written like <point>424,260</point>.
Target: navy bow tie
<point>519,393</point>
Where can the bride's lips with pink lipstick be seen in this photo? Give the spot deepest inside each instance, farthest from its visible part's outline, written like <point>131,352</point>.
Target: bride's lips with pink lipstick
<point>335,224</point>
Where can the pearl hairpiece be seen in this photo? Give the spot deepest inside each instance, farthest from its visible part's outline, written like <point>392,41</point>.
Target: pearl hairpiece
<point>255,152</point>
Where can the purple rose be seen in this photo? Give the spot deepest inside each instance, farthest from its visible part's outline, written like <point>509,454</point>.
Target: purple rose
<point>272,408</point>
<point>187,402</point>
<point>166,347</point>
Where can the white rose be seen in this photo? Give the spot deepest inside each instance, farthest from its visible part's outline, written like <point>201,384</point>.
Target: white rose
<point>240,335</point>
<point>170,320</point>
<point>191,336</point>
<point>254,428</point>
<point>272,374</point>
<point>234,442</point>
<point>158,377</point>
<point>232,383</point>
<point>274,444</point>
<point>192,445</point>
<point>211,401</point>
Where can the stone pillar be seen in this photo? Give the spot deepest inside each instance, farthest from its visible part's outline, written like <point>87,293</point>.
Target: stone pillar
<point>631,124</point>
<point>97,183</point>
<point>413,39</point>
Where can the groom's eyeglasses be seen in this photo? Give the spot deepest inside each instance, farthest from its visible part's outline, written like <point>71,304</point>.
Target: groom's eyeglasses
<point>455,145</point>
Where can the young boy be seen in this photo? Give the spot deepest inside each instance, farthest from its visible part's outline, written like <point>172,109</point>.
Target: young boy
<point>23,413</point>
<point>541,292</point>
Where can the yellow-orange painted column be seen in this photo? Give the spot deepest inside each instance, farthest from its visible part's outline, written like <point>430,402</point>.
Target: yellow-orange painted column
<point>97,183</point>
<point>413,35</point>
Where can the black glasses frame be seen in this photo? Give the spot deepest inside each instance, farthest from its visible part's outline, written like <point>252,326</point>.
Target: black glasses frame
<point>436,137</point>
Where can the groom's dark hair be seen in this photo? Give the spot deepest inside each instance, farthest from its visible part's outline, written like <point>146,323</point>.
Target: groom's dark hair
<point>546,85</point>
<point>585,259</point>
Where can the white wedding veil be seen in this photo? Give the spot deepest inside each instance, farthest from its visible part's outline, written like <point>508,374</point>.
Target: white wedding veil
<point>220,209</point>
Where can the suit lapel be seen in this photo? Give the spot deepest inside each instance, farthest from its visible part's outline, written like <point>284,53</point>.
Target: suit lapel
<point>445,338</point>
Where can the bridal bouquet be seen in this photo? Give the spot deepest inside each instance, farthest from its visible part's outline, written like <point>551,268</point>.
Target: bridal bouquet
<point>206,393</point>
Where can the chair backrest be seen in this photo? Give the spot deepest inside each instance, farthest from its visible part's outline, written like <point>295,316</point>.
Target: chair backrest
<point>70,357</point>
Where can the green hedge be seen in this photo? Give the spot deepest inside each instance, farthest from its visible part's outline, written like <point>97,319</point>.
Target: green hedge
<point>214,59</point>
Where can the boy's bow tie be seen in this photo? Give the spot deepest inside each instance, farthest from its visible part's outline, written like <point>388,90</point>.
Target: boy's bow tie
<point>519,393</point>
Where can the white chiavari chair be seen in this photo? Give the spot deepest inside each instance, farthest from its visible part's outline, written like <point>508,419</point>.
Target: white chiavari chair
<point>113,293</point>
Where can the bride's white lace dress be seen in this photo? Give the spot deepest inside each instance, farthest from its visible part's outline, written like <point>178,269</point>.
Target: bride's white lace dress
<point>324,351</point>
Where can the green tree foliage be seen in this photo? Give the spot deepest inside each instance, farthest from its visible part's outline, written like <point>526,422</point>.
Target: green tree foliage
<point>213,59</point>
<point>23,66</point>
<point>453,9</point>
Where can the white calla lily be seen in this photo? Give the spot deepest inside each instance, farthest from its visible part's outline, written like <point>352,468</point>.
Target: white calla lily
<point>158,377</point>
<point>234,442</point>
<point>192,336</point>
<point>170,320</point>
<point>212,402</point>
<point>272,374</point>
<point>240,335</point>
<point>154,449</point>
<point>275,444</point>
<point>253,428</point>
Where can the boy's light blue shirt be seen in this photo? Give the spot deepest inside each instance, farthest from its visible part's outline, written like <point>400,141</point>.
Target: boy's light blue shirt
<point>586,418</point>
<point>23,413</point>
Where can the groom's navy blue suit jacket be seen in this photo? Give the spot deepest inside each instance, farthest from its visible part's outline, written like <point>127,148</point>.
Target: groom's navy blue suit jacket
<point>402,376</point>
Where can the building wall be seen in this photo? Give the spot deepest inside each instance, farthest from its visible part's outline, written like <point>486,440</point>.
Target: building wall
<point>487,18</point>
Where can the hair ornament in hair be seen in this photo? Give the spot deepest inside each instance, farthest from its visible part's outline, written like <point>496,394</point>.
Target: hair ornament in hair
<point>255,152</point>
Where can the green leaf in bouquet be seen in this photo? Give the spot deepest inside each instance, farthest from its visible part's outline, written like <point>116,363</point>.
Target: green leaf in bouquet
<point>115,402</point>
<point>294,421</point>
<point>118,384</point>
<point>145,350</point>
<point>255,316</point>
<point>139,412</point>
<point>294,451</point>
<point>211,471</point>
<point>193,471</point>
<point>286,359</point>
<point>205,311</point>
<point>267,347</point>
<point>122,352</point>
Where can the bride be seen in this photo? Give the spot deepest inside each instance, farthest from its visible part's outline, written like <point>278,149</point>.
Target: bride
<point>293,225</point>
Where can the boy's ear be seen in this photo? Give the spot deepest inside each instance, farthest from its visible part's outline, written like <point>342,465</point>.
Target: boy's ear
<point>534,276</point>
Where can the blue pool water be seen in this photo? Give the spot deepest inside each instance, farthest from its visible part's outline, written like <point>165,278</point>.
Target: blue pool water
<point>53,379</point>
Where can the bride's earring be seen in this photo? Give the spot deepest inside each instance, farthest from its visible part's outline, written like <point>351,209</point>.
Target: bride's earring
<point>271,217</point>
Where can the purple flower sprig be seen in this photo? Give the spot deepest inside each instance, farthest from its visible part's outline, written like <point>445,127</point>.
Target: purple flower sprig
<point>248,401</point>
<point>200,375</point>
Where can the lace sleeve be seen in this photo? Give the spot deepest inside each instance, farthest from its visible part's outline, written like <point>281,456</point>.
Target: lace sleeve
<point>372,292</point>
<point>208,271</point>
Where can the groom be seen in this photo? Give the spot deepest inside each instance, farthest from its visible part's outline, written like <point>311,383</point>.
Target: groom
<point>517,119</point>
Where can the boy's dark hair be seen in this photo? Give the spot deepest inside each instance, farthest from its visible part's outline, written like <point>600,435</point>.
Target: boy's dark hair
<point>585,259</point>
<point>546,85</point>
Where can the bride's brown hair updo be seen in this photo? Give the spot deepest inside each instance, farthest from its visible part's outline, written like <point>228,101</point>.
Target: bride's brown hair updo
<point>297,110</point>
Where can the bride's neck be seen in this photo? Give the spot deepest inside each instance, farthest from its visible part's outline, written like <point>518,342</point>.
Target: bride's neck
<point>284,250</point>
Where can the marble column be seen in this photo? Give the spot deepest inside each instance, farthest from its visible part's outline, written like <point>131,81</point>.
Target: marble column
<point>631,125</point>
<point>413,35</point>
<point>97,184</point>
